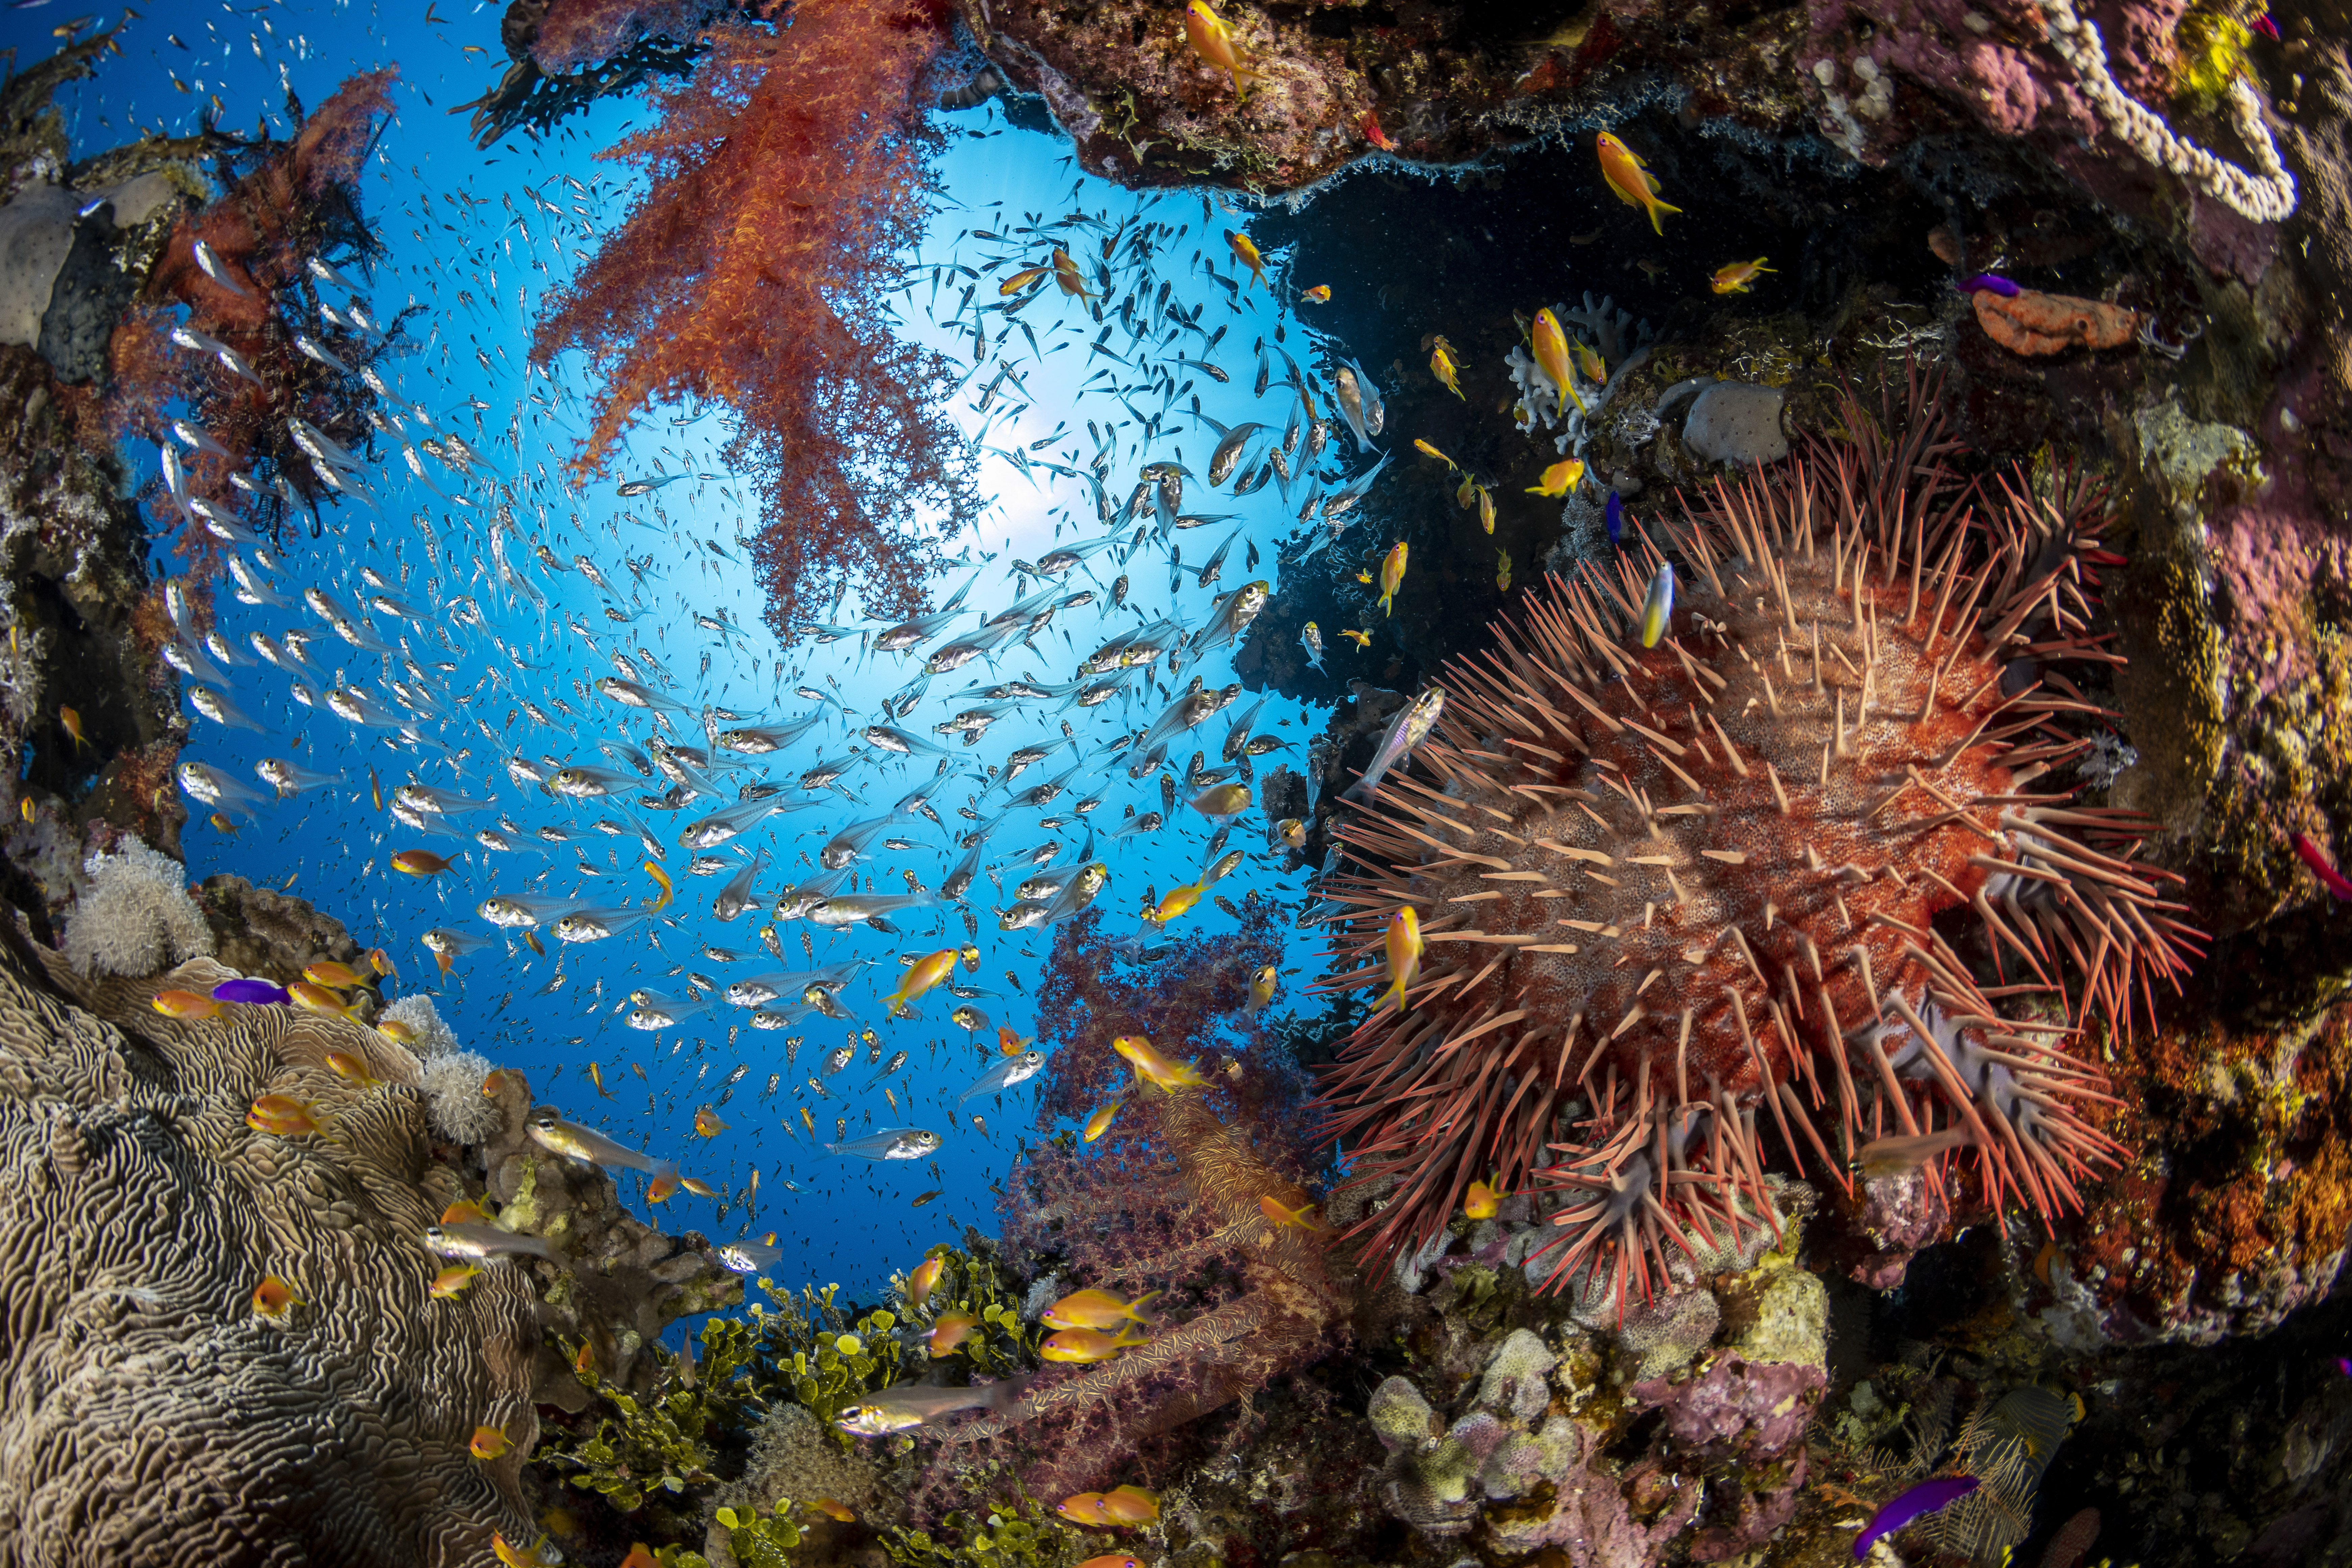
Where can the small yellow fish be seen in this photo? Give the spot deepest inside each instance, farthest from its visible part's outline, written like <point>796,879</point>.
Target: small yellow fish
<point>707,1123</point>
<point>1099,1123</point>
<point>1131,1505</point>
<point>26,809</point>
<point>1560,479</point>
<point>700,1189</point>
<point>375,788</point>
<point>1551,345</point>
<point>1404,944</point>
<point>541,1553</point>
<point>808,1122</point>
<point>1320,294</point>
<point>381,961</point>
<point>831,1510</point>
<point>1503,571</point>
<point>1361,639</point>
<point>1155,1068</point>
<point>398,1031</point>
<point>1735,276</point>
<point>1245,252</point>
<point>640,1556</point>
<point>186,1006</point>
<point>1087,1344</point>
<point>220,823</point>
<point>1301,1217</point>
<point>1081,1508</point>
<point>467,1211</point>
<point>451,1282</point>
<point>921,1279</point>
<point>489,1443</point>
<point>530,940</point>
<point>275,1300</point>
<point>1481,1202</point>
<point>284,1116</point>
<point>661,879</point>
<point>663,1187</point>
<point>597,1076</point>
<point>1175,904</point>
<point>1022,279</point>
<point>920,976</point>
<point>1013,1042</point>
<point>1223,800</point>
<point>1392,573</point>
<point>1429,451</point>
<point>347,1065</point>
<point>1066,274</point>
<point>327,972</point>
<point>1097,1309</point>
<point>1486,511</point>
<point>1445,366</point>
<point>1631,179</point>
<point>420,862</point>
<point>71,721</point>
<point>318,1000</point>
<point>1588,360</point>
<point>1214,42</point>
<point>950,1332</point>
<point>1466,494</point>
<point>1658,606</point>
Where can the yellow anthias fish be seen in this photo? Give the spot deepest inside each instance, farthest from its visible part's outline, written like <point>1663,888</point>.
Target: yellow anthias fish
<point>1361,639</point>
<point>188,1006</point>
<point>1481,1202</point>
<point>376,959</point>
<point>1427,450</point>
<point>1245,252</point>
<point>1082,1508</point>
<point>467,1211</point>
<point>1099,1123</point>
<point>1175,904</point>
<point>1658,606</point>
<point>347,1065</point>
<point>1403,942</point>
<point>320,1000</point>
<point>1320,294</point>
<point>1154,1069</point>
<point>451,1282</point>
<point>421,863</point>
<point>220,823</point>
<point>283,1116</point>
<point>831,1510</point>
<point>952,1329</point>
<point>707,1123</point>
<point>920,1281</point>
<point>664,1184</point>
<point>1588,360</point>
<point>920,976</point>
<point>597,1076</point>
<point>1551,346</point>
<point>1022,279</point>
<point>489,1443</point>
<point>1066,274</point>
<point>398,1031</point>
<point>1466,494</point>
<point>1503,571</point>
<point>327,972</point>
<point>661,879</point>
<point>71,721</point>
<point>700,1189</point>
<point>1443,366</point>
<point>1300,1218</point>
<point>1087,1344</point>
<point>1129,1505</point>
<point>541,1553</point>
<point>1560,479</point>
<point>1214,42</point>
<point>1631,179</point>
<point>1391,575</point>
<point>1735,276</point>
<point>274,1299</point>
<point>1097,1309</point>
<point>1486,508</point>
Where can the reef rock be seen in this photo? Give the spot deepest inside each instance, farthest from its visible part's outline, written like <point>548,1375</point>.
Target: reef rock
<point>2032,323</point>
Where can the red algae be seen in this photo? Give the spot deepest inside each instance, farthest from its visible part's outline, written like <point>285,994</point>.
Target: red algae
<point>1676,896</point>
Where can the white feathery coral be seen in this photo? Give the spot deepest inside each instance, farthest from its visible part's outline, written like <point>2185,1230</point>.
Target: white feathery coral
<point>2266,196</point>
<point>453,1102</point>
<point>135,917</point>
<point>433,1038</point>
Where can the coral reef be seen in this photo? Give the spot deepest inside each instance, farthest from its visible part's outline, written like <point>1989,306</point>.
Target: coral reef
<point>2032,323</point>
<point>819,128</point>
<point>135,918</point>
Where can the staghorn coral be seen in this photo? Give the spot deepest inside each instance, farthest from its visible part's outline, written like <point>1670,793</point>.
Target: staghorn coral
<point>1767,812</point>
<point>818,130</point>
<point>135,917</point>
<point>143,1390</point>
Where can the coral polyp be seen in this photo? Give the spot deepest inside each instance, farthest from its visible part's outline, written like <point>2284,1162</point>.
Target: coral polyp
<point>1671,895</point>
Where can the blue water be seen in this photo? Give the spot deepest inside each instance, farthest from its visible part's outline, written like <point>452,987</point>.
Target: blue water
<point>455,219</point>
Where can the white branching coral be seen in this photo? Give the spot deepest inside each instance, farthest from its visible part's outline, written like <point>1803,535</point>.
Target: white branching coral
<point>453,1102</point>
<point>2266,196</point>
<point>433,1038</point>
<point>134,916</point>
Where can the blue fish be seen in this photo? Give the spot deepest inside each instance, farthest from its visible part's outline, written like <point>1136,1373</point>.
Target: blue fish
<point>1915,1503</point>
<point>1616,517</point>
<point>1991,283</point>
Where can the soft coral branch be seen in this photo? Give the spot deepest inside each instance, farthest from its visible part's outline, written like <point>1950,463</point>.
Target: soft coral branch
<point>782,181</point>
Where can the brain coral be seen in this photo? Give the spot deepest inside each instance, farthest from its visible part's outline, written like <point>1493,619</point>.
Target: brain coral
<point>1669,890</point>
<point>150,1415</point>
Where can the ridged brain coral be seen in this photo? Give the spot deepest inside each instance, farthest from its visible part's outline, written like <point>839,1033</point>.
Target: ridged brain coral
<point>1669,892</point>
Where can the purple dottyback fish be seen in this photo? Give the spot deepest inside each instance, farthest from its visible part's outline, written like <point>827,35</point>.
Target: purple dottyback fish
<point>1616,517</point>
<point>1915,1503</point>
<point>1991,282</point>
<point>258,993</point>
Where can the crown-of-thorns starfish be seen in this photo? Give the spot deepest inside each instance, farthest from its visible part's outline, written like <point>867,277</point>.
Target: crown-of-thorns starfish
<point>1666,890</point>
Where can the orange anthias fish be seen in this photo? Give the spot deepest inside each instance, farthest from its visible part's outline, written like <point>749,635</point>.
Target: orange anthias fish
<point>1320,295</point>
<point>345,1065</point>
<point>451,1283</point>
<point>1111,1560</point>
<point>185,1006</point>
<point>699,1187</point>
<point>1157,1069</point>
<point>920,1280</point>
<point>1066,274</point>
<point>466,1211</point>
<point>1087,1344</point>
<point>274,1299</point>
<point>1214,42</point>
<point>1022,279</point>
<point>489,1443</point>
<point>1560,479</point>
<point>1631,179</point>
<point>640,1556</point>
<point>1391,575</point>
<point>421,862</point>
<point>1551,346</point>
<point>1245,252</point>
<point>1735,277</point>
<point>1131,1505</point>
<point>327,972</point>
<point>950,1332</point>
<point>284,1116</point>
<point>1178,900</point>
<point>317,999</point>
<point>1099,1123</point>
<point>1299,1218</point>
<point>1404,944</point>
<point>71,721</point>
<point>707,1123</point>
<point>1012,1042</point>
<point>1097,1309</point>
<point>1081,1508</point>
<point>831,1510</point>
<point>920,976</point>
<point>542,1553</point>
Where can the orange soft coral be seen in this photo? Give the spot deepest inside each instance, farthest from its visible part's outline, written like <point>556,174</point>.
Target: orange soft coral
<point>783,179</point>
